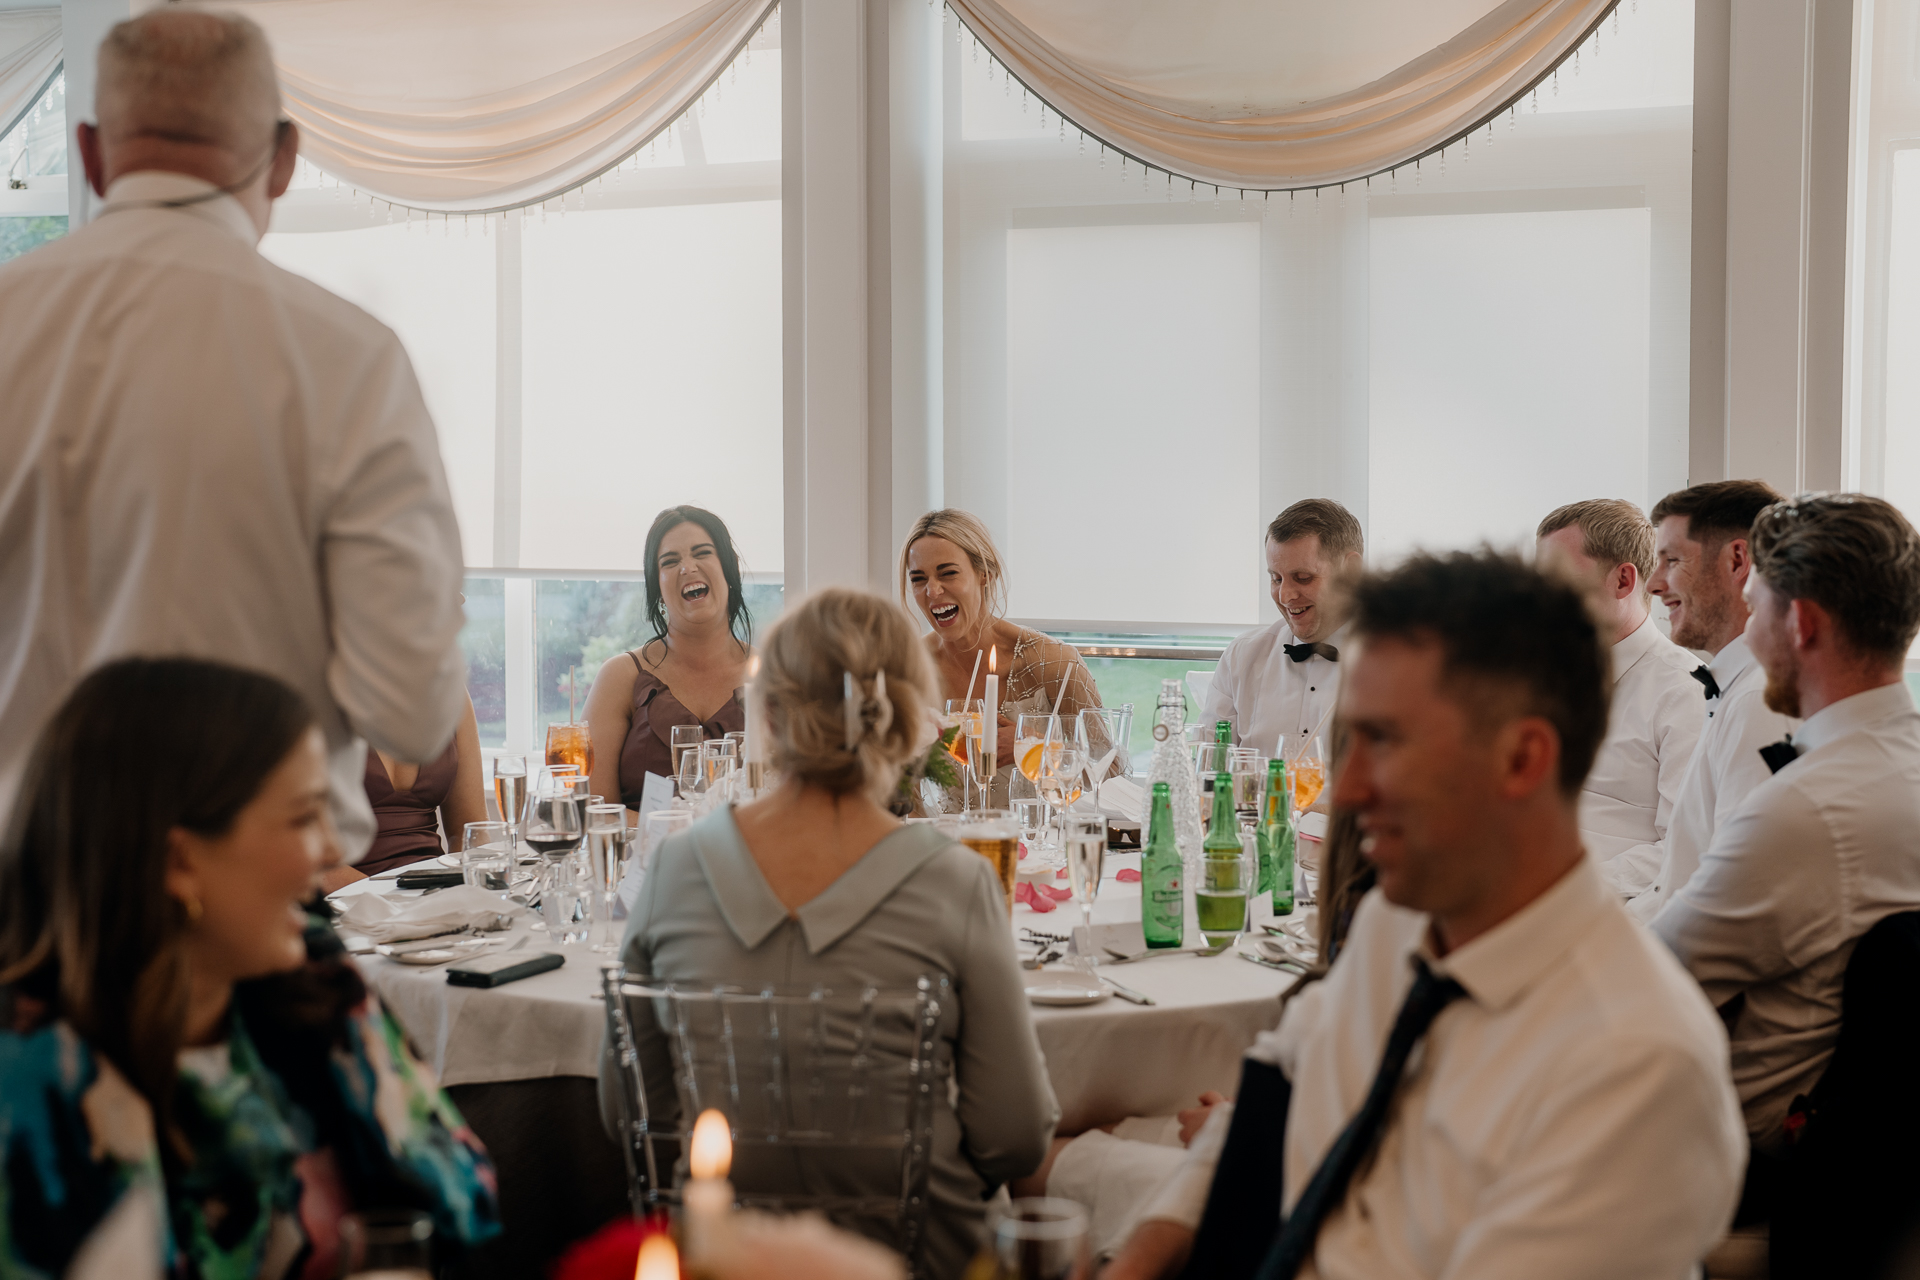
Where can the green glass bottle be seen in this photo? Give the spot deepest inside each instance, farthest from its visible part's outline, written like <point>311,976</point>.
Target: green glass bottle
<point>1276,840</point>
<point>1220,899</point>
<point>1162,895</point>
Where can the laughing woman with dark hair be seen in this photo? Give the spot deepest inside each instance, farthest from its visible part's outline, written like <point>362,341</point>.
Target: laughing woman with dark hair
<point>193,1081</point>
<point>694,669</point>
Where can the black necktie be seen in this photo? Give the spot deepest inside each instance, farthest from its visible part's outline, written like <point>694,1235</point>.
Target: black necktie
<point>1707,682</point>
<point>1328,1187</point>
<point>1301,652</point>
<point>1779,755</point>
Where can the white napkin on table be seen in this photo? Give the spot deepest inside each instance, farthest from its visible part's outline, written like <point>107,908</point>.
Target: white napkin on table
<point>388,919</point>
<point>1125,797</point>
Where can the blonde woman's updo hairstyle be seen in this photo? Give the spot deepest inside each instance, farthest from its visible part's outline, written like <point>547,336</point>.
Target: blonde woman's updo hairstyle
<point>805,663</point>
<point>965,531</point>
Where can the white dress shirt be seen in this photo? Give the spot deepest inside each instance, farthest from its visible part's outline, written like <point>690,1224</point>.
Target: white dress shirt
<point>1818,854</point>
<point>1267,696</point>
<point>1726,766</point>
<point>203,454</point>
<point>1570,1117</point>
<point>1653,722</point>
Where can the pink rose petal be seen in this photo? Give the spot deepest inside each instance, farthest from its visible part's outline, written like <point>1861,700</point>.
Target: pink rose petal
<point>1051,891</point>
<point>1128,876</point>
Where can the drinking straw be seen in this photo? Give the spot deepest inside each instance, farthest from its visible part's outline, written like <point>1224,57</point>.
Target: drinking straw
<point>1308,740</point>
<point>1058,699</point>
<point>978,654</point>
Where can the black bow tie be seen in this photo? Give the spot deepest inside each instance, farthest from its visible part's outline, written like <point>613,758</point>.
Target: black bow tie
<point>1301,652</point>
<point>1779,755</point>
<point>1707,682</point>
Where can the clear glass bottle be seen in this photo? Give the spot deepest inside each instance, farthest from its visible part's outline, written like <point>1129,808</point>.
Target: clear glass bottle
<point>1162,887</point>
<point>1276,839</point>
<point>1173,765</point>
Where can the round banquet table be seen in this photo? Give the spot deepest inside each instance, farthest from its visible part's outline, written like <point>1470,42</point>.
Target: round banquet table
<point>521,1060</point>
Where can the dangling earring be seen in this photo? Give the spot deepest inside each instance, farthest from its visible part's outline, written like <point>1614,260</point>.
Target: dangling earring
<point>191,906</point>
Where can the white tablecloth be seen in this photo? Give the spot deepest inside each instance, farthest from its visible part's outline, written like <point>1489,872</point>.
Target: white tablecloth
<point>1106,1060</point>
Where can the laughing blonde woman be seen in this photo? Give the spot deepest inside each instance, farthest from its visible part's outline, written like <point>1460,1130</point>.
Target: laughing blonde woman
<point>951,573</point>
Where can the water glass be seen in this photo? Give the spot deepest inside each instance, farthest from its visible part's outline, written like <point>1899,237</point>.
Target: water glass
<point>718,758</point>
<point>486,855</point>
<point>683,738</point>
<point>1249,769</point>
<point>1031,814</point>
<point>1035,735</point>
<point>1226,886</point>
<point>1042,1238</point>
<point>393,1244</point>
<point>567,901</point>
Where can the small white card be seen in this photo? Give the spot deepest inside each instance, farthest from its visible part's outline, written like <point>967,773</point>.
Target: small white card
<point>655,793</point>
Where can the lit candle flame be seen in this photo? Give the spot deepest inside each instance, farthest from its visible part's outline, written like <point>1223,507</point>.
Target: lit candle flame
<point>993,659</point>
<point>712,1150</point>
<point>659,1260</point>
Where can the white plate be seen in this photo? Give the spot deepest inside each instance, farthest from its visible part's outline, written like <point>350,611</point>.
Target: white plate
<point>1064,993</point>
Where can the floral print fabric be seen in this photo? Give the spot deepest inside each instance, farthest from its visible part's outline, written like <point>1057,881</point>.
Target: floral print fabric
<point>270,1177</point>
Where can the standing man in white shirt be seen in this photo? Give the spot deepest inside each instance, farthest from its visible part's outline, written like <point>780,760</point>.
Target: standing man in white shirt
<point>1567,1112</point>
<point>1700,567</point>
<point>1276,685</point>
<point>1655,717</point>
<point>1826,847</point>
<point>203,454</point>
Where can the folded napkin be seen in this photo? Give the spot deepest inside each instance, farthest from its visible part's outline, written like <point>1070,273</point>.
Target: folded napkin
<point>1124,797</point>
<point>388,919</point>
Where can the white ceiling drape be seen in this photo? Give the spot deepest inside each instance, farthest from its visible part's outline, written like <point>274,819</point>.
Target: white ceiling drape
<point>1279,94</point>
<point>29,55</point>
<point>469,106</point>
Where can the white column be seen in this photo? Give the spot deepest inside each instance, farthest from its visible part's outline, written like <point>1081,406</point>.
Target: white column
<point>916,192</point>
<point>1788,72</point>
<point>837,400</point>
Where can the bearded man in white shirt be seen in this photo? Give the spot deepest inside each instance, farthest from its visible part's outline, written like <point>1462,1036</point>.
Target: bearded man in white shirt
<point>1826,847</point>
<point>1568,1111</point>
<point>1276,685</point>
<point>1655,717</point>
<point>1700,568</point>
<point>203,454</point>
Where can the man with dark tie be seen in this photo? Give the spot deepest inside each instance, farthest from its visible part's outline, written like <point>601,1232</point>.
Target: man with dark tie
<point>1275,685</point>
<point>1502,1074</point>
<point>1826,847</point>
<point>1700,566</point>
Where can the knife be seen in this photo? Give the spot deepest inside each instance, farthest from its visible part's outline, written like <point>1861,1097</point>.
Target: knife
<point>1126,992</point>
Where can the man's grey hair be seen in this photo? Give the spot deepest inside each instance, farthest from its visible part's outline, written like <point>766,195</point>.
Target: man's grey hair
<point>188,75</point>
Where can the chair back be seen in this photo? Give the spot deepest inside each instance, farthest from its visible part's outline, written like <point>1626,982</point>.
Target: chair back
<point>829,1095</point>
<point>1849,1197</point>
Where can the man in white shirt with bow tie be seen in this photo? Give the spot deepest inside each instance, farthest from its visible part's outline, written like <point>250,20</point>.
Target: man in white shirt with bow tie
<point>1700,568</point>
<point>1826,847</point>
<point>1655,718</point>
<point>1276,685</point>
<point>206,455</point>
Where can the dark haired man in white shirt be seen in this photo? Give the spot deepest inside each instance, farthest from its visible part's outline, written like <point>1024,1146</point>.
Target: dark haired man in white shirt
<point>1701,565</point>
<point>1826,847</point>
<point>1502,1074</point>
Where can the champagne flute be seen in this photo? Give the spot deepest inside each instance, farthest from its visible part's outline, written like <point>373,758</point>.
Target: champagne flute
<point>1086,862</point>
<point>1101,733</point>
<point>510,790</point>
<point>691,781</point>
<point>964,715</point>
<point>1059,783</point>
<point>606,837</point>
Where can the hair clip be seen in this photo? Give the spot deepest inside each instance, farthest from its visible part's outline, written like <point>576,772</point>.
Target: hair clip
<point>850,709</point>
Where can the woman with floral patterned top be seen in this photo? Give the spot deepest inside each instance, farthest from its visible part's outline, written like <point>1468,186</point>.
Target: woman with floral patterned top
<point>193,1080</point>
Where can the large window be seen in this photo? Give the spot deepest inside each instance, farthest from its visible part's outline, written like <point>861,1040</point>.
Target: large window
<point>1140,373</point>
<point>588,364</point>
<point>33,200</point>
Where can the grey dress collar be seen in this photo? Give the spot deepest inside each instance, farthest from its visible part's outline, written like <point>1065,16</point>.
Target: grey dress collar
<point>751,910</point>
